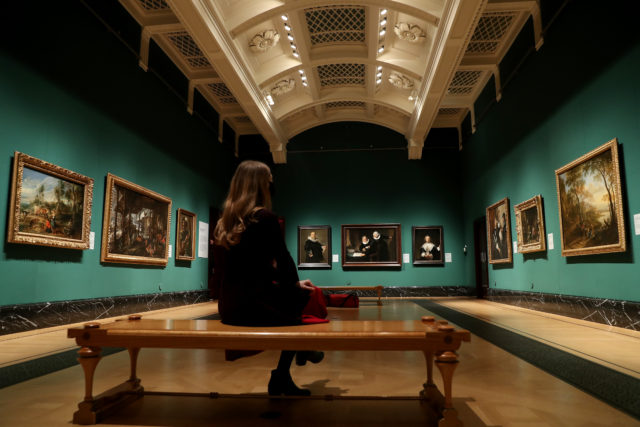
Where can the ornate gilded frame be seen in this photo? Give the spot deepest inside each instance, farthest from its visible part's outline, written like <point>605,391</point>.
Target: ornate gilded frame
<point>418,234</point>
<point>541,244</point>
<point>348,260</point>
<point>182,213</point>
<point>303,232</point>
<point>491,211</point>
<point>616,187</point>
<point>108,231</point>
<point>15,235</point>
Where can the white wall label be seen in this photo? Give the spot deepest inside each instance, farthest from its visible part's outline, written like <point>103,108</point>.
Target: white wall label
<point>406,259</point>
<point>203,240</point>
<point>550,241</point>
<point>336,258</point>
<point>515,247</point>
<point>92,239</point>
<point>447,257</point>
<point>636,222</point>
<point>170,250</point>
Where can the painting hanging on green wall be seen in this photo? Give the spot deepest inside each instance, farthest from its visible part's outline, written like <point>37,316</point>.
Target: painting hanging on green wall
<point>499,232</point>
<point>371,245</point>
<point>136,224</point>
<point>428,245</point>
<point>314,246</point>
<point>186,235</point>
<point>49,205</point>
<point>530,225</point>
<point>590,201</point>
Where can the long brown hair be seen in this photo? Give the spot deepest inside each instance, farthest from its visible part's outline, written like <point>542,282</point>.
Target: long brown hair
<point>248,193</point>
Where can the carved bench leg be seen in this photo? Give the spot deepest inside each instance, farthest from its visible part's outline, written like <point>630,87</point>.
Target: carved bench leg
<point>447,363</point>
<point>133,358</point>
<point>88,358</point>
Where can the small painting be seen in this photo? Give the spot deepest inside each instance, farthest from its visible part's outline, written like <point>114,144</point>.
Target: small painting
<point>590,201</point>
<point>371,245</point>
<point>50,205</point>
<point>314,246</point>
<point>186,235</point>
<point>136,224</point>
<point>530,225</point>
<point>428,245</point>
<point>499,232</point>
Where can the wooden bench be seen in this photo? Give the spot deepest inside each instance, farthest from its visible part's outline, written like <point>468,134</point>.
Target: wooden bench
<point>436,339</point>
<point>377,289</point>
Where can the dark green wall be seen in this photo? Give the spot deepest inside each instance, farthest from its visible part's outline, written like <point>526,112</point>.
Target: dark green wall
<point>75,97</point>
<point>362,187</point>
<point>578,92</point>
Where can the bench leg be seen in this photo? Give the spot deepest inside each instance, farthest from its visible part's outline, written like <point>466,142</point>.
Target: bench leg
<point>447,363</point>
<point>91,409</point>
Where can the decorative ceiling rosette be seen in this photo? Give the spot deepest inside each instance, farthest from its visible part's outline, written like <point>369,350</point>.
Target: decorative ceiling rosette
<point>264,41</point>
<point>283,86</point>
<point>409,32</point>
<point>400,81</point>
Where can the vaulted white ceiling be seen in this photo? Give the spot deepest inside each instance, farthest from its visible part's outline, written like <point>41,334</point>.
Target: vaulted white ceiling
<point>279,67</point>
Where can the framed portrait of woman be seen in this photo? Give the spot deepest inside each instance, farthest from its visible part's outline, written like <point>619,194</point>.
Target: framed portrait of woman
<point>428,245</point>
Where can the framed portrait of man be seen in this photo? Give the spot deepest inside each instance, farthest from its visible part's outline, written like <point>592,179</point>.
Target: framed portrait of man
<point>428,245</point>
<point>186,235</point>
<point>499,232</point>
<point>314,246</point>
<point>371,245</point>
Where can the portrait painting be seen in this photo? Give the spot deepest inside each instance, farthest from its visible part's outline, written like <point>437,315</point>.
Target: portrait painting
<point>428,245</point>
<point>49,205</point>
<point>136,224</point>
<point>185,235</point>
<point>499,232</point>
<point>530,225</point>
<point>314,246</point>
<point>371,245</point>
<point>590,202</point>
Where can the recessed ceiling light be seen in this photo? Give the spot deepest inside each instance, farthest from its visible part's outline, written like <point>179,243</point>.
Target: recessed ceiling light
<point>301,71</point>
<point>287,27</point>
<point>284,17</point>
<point>381,49</point>
<point>383,12</point>
<point>378,81</point>
<point>293,46</point>
<point>304,84</point>
<point>270,100</point>
<point>383,22</point>
<point>296,54</point>
<point>379,67</point>
<point>383,32</point>
<point>303,78</point>
<point>379,75</point>
<point>290,37</point>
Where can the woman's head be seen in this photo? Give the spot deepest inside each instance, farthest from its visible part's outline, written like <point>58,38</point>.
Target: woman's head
<point>248,193</point>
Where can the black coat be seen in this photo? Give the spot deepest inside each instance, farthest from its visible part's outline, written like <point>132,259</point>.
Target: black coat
<point>257,277</point>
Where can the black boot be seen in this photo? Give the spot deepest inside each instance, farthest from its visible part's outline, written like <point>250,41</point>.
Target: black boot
<point>312,356</point>
<point>281,383</point>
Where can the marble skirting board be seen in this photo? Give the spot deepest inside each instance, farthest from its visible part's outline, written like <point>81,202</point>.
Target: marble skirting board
<point>417,291</point>
<point>25,317</point>
<point>623,314</point>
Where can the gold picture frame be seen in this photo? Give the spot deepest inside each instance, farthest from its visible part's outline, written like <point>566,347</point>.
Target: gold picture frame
<point>135,229</point>
<point>590,203</point>
<point>499,232</point>
<point>530,225</point>
<point>186,235</point>
<point>50,205</point>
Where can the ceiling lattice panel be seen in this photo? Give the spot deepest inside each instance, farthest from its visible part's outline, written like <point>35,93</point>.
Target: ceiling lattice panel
<point>382,110</point>
<point>449,111</point>
<point>490,31</point>
<point>188,49</point>
<point>464,82</point>
<point>222,93</point>
<point>345,104</point>
<point>341,75</point>
<point>336,24</point>
<point>154,5</point>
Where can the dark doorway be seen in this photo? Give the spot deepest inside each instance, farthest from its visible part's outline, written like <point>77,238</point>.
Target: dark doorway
<point>481,260</point>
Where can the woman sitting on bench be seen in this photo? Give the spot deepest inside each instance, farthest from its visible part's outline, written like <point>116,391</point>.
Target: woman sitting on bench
<point>257,278</point>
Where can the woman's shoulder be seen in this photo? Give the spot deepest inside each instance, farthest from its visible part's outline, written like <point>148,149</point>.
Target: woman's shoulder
<point>264,214</point>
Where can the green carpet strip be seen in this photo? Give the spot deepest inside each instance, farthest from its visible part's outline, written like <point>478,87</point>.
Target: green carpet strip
<point>615,388</point>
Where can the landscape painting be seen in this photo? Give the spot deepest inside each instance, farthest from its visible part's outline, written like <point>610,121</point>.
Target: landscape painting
<point>136,224</point>
<point>590,201</point>
<point>50,205</point>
